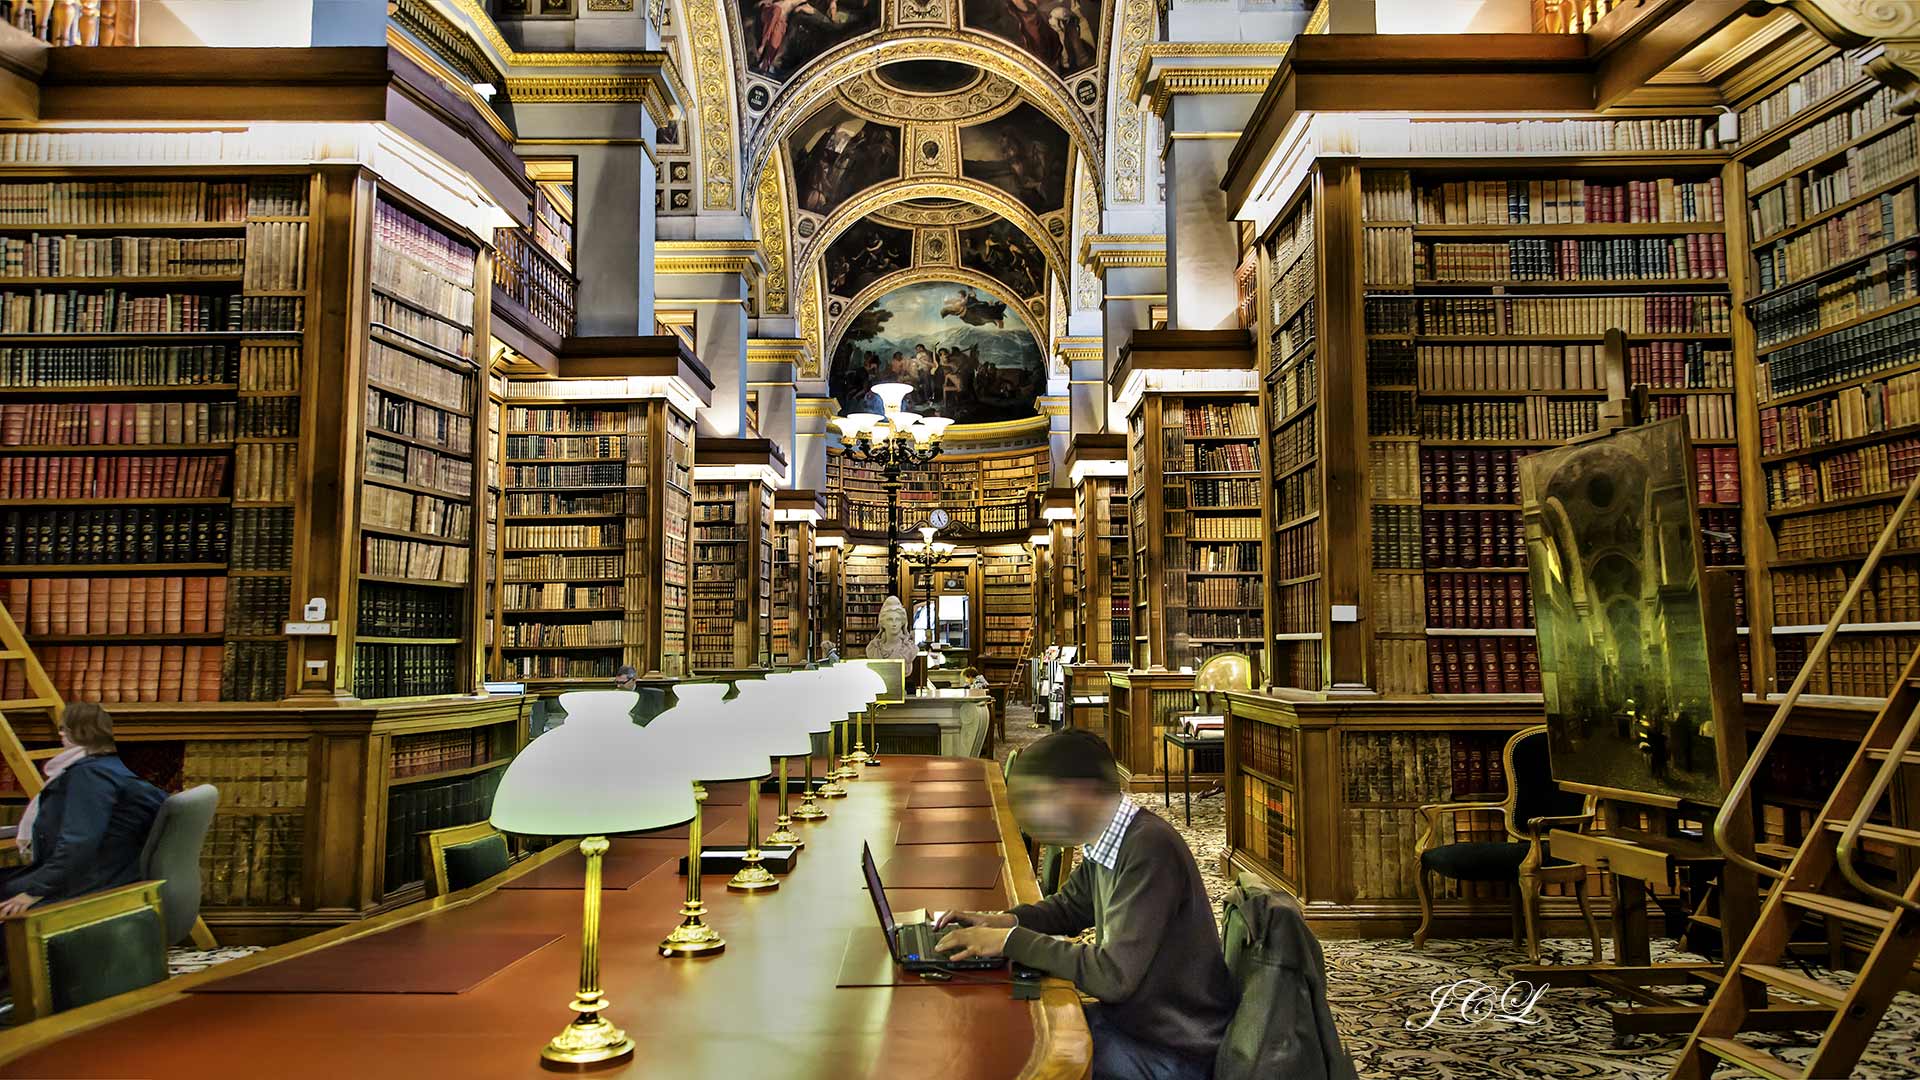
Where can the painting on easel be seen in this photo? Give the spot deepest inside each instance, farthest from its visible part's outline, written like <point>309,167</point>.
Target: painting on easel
<point>1613,551</point>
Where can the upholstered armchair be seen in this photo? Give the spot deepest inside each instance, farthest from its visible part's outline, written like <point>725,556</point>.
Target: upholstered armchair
<point>1534,806</point>
<point>461,856</point>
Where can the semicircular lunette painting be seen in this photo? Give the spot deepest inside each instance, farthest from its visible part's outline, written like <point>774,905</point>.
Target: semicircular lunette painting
<point>968,356</point>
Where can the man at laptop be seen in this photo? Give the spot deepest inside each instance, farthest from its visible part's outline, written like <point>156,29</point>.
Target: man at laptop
<point>1155,965</point>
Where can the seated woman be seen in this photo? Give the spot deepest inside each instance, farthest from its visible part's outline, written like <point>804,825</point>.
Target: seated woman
<point>85,830</point>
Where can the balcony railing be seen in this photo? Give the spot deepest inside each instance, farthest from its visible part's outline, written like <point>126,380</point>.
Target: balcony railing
<point>524,273</point>
<point>75,22</point>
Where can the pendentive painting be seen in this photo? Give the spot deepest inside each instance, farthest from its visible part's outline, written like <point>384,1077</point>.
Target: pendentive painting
<point>1002,251</point>
<point>968,356</point>
<point>837,155</point>
<point>1063,35</point>
<point>1023,153</point>
<point>1614,554</point>
<point>780,36</point>
<point>865,253</point>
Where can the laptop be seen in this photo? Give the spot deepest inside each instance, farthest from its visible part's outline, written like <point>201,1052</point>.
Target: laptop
<point>912,939</point>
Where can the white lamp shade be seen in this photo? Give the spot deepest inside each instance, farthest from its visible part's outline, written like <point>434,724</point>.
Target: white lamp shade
<point>864,421</point>
<point>589,705</point>
<point>768,704</point>
<point>892,394</point>
<point>811,704</point>
<point>938,424</point>
<point>905,419</point>
<point>708,740</point>
<point>592,779</point>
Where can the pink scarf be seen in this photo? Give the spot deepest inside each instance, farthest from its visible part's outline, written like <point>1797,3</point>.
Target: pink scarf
<point>56,765</point>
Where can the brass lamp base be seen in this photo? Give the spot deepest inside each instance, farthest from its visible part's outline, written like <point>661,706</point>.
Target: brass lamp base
<point>783,834</point>
<point>831,789</point>
<point>588,1043</point>
<point>693,937</point>
<point>753,877</point>
<point>808,810</point>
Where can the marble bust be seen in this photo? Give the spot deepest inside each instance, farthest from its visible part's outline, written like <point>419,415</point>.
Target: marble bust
<point>892,642</point>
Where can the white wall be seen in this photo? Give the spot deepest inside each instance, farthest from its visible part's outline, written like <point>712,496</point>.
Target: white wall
<point>285,24</point>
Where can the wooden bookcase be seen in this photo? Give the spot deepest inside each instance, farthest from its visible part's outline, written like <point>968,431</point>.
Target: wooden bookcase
<point>1104,574</point>
<point>830,588</point>
<point>1287,278</point>
<point>991,493</point>
<point>1002,639</point>
<point>1193,465</point>
<point>865,588</point>
<point>732,555</point>
<point>1059,600</point>
<point>796,589</point>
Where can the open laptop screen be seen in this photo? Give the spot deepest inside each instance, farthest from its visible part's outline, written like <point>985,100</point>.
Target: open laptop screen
<point>879,893</point>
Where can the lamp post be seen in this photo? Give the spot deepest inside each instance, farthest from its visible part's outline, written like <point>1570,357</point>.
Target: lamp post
<point>893,443</point>
<point>926,555</point>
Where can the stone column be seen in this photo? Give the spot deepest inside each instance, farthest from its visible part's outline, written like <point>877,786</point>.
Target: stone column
<point>812,415</point>
<point>771,364</point>
<point>713,281</point>
<point>1133,276</point>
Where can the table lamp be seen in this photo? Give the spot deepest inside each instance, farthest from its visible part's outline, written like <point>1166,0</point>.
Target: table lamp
<point>791,739</point>
<point>815,717</point>
<point>709,745</point>
<point>873,685</point>
<point>587,778</point>
<point>837,697</point>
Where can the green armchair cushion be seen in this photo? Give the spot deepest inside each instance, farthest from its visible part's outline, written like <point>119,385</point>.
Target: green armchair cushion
<point>1479,860</point>
<point>89,963</point>
<point>475,861</point>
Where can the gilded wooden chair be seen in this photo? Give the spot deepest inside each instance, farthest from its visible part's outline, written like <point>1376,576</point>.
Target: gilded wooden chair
<point>462,856</point>
<point>76,952</point>
<point>1533,806</point>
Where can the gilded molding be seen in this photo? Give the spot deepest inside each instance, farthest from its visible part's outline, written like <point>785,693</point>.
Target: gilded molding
<point>777,288</point>
<point>1322,15</point>
<point>821,407</point>
<point>707,257</point>
<point>648,90</point>
<point>777,351</point>
<point>810,323</point>
<point>1086,283</point>
<point>1106,251</point>
<point>1226,79</point>
<point>708,42</point>
<point>959,216</point>
<point>1889,25</point>
<point>1129,120</point>
<point>435,64</point>
<point>971,191</point>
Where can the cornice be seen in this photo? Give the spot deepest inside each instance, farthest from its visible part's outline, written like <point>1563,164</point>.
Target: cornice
<point>708,257</point>
<point>776,350</point>
<point>1154,78</point>
<point>649,89</point>
<point>456,82</point>
<point>1100,252</point>
<point>455,43</point>
<point>816,407</point>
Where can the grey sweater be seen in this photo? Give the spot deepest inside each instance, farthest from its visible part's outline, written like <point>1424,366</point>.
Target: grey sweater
<point>1156,964</point>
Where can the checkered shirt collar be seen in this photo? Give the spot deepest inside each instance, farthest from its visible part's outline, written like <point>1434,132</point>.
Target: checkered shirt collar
<point>1106,850</point>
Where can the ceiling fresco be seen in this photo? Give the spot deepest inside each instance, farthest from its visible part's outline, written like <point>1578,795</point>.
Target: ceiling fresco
<point>968,355</point>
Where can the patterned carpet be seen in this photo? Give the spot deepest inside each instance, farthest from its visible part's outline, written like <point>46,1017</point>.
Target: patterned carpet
<point>1381,988</point>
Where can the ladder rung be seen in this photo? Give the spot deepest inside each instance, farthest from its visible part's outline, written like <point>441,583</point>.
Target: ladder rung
<point>1864,914</point>
<point>1782,852</point>
<point>30,703</point>
<point>12,654</point>
<point>1911,757</point>
<point>1747,1057</point>
<point>1795,983</point>
<point>1706,920</point>
<point>45,753</point>
<point>1886,833</point>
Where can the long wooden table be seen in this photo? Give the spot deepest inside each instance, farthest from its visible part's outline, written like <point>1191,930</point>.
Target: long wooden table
<point>766,1008</point>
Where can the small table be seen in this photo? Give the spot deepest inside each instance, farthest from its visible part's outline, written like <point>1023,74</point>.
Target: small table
<point>1191,744</point>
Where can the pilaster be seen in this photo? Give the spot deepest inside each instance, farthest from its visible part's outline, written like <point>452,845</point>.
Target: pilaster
<point>714,280</point>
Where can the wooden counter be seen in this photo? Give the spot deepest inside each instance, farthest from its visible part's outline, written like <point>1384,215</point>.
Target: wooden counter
<point>767,1007</point>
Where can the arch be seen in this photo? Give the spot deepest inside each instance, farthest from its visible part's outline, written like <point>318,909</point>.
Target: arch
<point>914,275</point>
<point>985,196</point>
<point>814,84</point>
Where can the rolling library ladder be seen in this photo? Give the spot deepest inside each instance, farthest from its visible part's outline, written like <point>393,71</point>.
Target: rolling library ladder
<point>41,694</point>
<point>1822,878</point>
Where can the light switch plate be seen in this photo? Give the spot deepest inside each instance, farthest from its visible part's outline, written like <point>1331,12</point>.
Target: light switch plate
<point>1346,613</point>
<point>309,629</point>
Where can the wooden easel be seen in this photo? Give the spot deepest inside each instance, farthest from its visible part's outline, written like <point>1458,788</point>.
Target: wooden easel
<point>41,695</point>
<point>1640,837</point>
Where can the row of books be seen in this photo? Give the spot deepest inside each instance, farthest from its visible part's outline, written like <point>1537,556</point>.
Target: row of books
<point>388,610</point>
<point>1388,255</point>
<point>1478,601</point>
<point>43,255</point>
<point>1784,206</point>
<point>1831,76</point>
<point>1223,527</point>
<point>426,256</point>
<point>562,536</point>
<point>1296,607</point>
<point>78,476</point>
<point>544,504</point>
<point>401,324</point>
<point>1396,532</point>
<point>416,559</point>
<point>133,423</point>
<point>262,538</point>
<point>1436,137</point>
<point>392,414</point>
<point>1223,592</point>
<point>1217,625</point>
<point>605,447</point>
<point>116,365</point>
<point>1393,470</point>
<point>1483,665</point>
<point>555,596</point>
<point>118,605</point>
<point>264,472</point>
<point>253,860</point>
<point>1210,457</point>
<point>608,632</point>
<point>1296,551</point>
<point>1234,419</point>
<point>1860,231</point>
<point>121,202</point>
<point>418,378</point>
<point>115,535</point>
<point>268,369</point>
<point>1582,316</point>
<point>1720,537</point>
<point>114,673</point>
<point>1692,257</point>
<point>1295,444</point>
<point>1472,538</point>
<point>276,256</point>
<point>439,751</point>
<point>1885,342</point>
<point>254,671</point>
<point>420,808</point>
<point>1566,202</point>
<point>1809,597</point>
<point>576,419</point>
<point>1716,475</point>
<point>401,463</point>
<point>558,666</point>
<point>384,671</point>
<point>1842,533</point>
<point>1864,167</point>
<point>116,311</point>
<point>611,474</point>
<point>392,508</point>
<point>256,604</point>
<point>1862,470</point>
<point>269,417</point>
<point>1400,605</point>
<point>568,567</point>
<point>1413,767</point>
<point>1233,557</point>
<point>1527,419</point>
<point>1297,495</point>
<point>1292,390</point>
<point>1886,279</point>
<point>1709,416</point>
<point>1851,413</point>
<point>1204,493</point>
<point>1855,665</point>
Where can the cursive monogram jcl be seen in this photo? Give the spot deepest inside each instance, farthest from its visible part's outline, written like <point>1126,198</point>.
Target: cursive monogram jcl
<point>1468,1003</point>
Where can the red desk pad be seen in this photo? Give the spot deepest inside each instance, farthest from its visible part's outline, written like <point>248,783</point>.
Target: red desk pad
<point>948,826</point>
<point>941,872</point>
<point>618,870</point>
<point>940,771</point>
<point>927,796</point>
<point>410,959</point>
<point>868,962</point>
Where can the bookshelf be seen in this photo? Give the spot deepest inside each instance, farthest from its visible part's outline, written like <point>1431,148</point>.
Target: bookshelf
<point>1103,585</point>
<point>1061,596</point>
<point>829,589</point>
<point>1288,339</point>
<point>796,588</point>
<point>992,493</point>
<point>151,378</point>
<point>865,589</point>
<point>1194,513</point>
<point>1006,611</point>
<point>732,584</point>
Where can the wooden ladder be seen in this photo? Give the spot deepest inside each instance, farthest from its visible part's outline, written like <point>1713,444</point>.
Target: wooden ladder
<point>1822,879</point>
<point>41,694</point>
